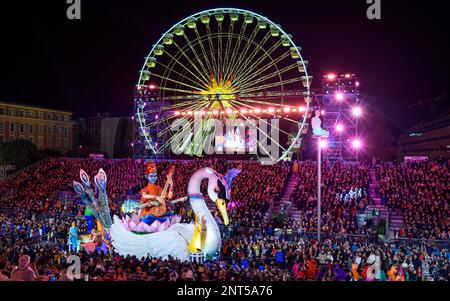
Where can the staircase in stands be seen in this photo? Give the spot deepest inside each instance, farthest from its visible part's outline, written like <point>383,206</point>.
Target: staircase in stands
<point>286,197</point>
<point>395,218</point>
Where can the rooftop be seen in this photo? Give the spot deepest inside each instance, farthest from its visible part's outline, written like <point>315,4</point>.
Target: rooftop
<point>26,106</point>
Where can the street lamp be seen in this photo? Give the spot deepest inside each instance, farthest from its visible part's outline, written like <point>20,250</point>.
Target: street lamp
<point>356,111</point>
<point>356,144</point>
<point>321,145</point>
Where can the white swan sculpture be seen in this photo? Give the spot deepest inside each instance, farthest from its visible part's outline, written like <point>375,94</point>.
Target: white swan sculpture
<point>176,239</point>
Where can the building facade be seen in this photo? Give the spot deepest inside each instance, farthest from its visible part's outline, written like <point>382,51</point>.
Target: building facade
<point>46,128</point>
<point>109,134</point>
<point>94,130</point>
<point>429,142</point>
<point>98,133</point>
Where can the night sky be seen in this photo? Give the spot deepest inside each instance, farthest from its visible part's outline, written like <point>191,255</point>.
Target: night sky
<point>91,65</point>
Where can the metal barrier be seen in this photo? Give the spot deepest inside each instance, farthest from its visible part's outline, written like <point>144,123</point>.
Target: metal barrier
<point>439,244</point>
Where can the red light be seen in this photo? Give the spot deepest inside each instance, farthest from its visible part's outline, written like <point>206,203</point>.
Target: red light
<point>339,96</point>
<point>347,75</point>
<point>302,109</point>
<point>257,111</point>
<point>331,76</point>
<point>152,87</point>
<point>244,111</point>
<point>215,112</point>
<point>177,113</point>
<point>287,109</point>
<point>229,111</point>
<point>271,110</point>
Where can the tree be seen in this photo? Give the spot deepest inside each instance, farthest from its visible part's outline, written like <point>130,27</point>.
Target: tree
<point>20,153</point>
<point>50,153</point>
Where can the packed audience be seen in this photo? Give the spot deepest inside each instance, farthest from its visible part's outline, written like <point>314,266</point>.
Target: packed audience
<point>420,192</point>
<point>344,194</point>
<point>35,186</point>
<point>37,251</point>
<point>38,206</point>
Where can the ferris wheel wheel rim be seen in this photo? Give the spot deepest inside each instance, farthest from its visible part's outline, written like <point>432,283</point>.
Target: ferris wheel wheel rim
<point>229,10</point>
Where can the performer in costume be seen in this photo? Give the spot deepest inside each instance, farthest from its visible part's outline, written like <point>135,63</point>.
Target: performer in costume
<point>93,242</point>
<point>73,238</point>
<point>153,200</point>
<point>316,125</point>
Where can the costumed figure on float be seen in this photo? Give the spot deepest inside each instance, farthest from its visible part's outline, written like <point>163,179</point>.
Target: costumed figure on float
<point>151,214</point>
<point>179,240</point>
<point>73,240</point>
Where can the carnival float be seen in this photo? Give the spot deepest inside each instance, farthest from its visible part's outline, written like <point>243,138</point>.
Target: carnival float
<point>148,229</point>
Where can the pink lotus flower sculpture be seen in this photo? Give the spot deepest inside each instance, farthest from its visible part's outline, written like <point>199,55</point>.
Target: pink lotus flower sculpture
<point>156,226</point>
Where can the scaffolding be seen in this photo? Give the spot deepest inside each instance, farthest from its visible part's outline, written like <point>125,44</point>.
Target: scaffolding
<point>148,131</point>
<point>337,99</point>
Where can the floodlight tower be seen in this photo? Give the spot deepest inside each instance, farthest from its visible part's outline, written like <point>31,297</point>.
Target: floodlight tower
<point>340,104</point>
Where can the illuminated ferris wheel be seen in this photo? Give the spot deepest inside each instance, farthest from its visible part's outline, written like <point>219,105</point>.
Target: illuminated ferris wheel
<point>222,64</point>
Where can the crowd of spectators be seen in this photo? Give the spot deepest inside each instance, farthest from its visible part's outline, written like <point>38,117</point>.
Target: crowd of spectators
<point>34,225</point>
<point>34,188</point>
<point>29,253</point>
<point>420,192</point>
<point>344,195</point>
